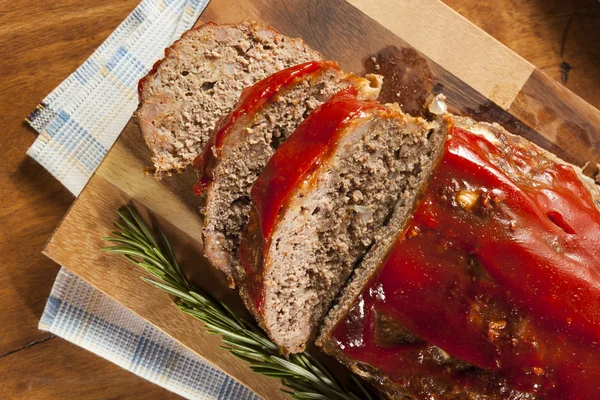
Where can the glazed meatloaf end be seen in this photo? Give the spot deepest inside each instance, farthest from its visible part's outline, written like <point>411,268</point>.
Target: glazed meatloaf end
<point>473,291</point>
<point>199,81</point>
<point>266,114</point>
<point>320,203</point>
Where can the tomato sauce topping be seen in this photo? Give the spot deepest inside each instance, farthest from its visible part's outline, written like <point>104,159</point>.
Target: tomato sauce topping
<point>499,268</point>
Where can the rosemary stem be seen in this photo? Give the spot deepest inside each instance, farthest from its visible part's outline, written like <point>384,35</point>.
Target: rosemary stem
<point>302,375</point>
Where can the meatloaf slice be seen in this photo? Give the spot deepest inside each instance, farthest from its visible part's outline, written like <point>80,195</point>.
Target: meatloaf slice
<point>266,114</point>
<point>322,200</point>
<point>475,290</point>
<point>200,79</point>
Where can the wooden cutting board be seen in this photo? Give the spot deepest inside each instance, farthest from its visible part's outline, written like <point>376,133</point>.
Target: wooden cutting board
<point>479,76</point>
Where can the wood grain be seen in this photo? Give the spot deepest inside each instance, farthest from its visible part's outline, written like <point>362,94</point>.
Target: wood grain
<point>547,34</point>
<point>572,125</point>
<point>449,40</point>
<point>64,371</point>
<point>41,43</point>
<point>32,202</point>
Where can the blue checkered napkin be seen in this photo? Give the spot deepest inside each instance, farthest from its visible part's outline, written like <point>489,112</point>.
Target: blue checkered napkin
<point>78,122</point>
<point>82,315</point>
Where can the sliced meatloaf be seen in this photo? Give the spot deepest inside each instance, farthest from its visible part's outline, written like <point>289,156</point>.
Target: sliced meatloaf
<point>487,287</point>
<point>322,200</point>
<point>266,114</point>
<point>199,81</point>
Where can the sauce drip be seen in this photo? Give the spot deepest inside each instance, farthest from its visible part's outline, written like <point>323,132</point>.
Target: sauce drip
<point>407,78</point>
<point>498,267</point>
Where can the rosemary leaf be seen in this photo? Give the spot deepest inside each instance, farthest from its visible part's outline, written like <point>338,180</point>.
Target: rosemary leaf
<point>302,375</point>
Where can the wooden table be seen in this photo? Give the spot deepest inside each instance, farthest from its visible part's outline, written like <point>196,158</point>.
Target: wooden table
<point>42,42</point>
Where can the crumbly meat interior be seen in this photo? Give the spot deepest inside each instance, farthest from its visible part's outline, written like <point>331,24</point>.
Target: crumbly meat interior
<point>246,152</point>
<point>333,221</point>
<point>406,205</point>
<point>201,79</point>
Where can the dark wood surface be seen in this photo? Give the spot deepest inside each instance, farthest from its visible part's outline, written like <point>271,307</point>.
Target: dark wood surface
<point>42,42</point>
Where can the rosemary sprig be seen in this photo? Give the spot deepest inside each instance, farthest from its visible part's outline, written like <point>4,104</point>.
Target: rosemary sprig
<point>302,375</point>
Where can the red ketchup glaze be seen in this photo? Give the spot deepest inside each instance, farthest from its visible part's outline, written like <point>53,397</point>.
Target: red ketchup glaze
<point>251,100</point>
<point>294,161</point>
<point>500,272</point>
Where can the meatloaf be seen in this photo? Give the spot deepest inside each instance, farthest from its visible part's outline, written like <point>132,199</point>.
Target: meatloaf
<point>319,204</point>
<point>199,81</point>
<point>264,117</point>
<point>488,288</point>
